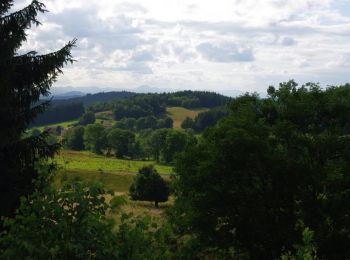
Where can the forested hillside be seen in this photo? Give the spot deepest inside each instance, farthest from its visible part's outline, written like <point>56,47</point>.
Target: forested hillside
<point>128,105</point>
<point>90,99</point>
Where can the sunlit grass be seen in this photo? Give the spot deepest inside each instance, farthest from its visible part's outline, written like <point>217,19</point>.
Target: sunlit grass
<point>65,124</point>
<point>88,161</point>
<point>178,114</point>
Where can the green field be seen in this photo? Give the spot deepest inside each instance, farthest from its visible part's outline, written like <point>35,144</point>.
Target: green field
<point>68,124</point>
<point>178,114</point>
<point>87,161</point>
<point>63,124</point>
<point>116,175</point>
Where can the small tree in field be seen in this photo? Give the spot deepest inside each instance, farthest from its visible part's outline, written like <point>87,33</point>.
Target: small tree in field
<point>149,186</point>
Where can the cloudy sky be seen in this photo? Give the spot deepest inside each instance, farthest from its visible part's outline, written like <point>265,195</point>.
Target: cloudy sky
<point>198,44</point>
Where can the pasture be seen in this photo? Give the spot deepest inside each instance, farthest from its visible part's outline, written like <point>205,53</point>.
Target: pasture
<point>88,161</point>
<point>178,114</point>
<point>65,124</point>
<point>117,175</point>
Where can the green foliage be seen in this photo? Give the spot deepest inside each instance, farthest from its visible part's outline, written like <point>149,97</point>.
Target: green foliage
<point>121,141</point>
<point>146,122</point>
<point>156,142</point>
<point>187,123</point>
<point>96,102</point>
<point>144,105</point>
<point>24,79</point>
<point>138,106</point>
<point>35,132</point>
<point>269,165</point>
<point>52,140</point>
<point>67,224</point>
<point>149,186</point>
<point>306,251</point>
<point>73,223</point>
<point>208,118</point>
<point>175,142</point>
<point>165,123</point>
<point>126,123</point>
<point>60,113</point>
<point>73,138</point>
<point>95,138</point>
<point>142,123</point>
<point>87,118</point>
<point>195,99</point>
<point>164,144</point>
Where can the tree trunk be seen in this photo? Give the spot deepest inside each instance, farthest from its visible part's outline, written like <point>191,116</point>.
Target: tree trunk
<point>156,204</point>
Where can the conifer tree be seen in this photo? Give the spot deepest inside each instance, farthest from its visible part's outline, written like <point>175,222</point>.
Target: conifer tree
<point>24,78</point>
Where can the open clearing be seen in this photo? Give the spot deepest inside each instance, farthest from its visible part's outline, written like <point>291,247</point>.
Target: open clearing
<point>116,175</point>
<point>65,124</point>
<point>88,161</point>
<point>178,114</point>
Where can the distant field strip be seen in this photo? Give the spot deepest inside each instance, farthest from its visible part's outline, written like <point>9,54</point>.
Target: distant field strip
<point>63,124</point>
<point>178,114</point>
<point>80,161</point>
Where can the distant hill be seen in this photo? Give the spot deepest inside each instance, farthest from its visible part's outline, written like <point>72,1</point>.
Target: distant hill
<point>68,95</point>
<point>89,99</point>
<point>124,104</point>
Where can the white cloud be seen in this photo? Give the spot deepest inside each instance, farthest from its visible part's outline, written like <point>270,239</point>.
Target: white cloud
<point>225,53</point>
<point>199,44</point>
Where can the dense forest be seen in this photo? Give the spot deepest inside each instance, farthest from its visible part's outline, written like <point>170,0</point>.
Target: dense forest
<point>128,105</point>
<point>90,99</point>
<point>60,113</point>
<point>253,178</point>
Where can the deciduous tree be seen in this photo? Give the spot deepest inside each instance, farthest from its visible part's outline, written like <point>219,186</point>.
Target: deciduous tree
<point>149,186</point>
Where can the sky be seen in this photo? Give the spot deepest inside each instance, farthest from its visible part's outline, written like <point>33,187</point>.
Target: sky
<point>243,45</point>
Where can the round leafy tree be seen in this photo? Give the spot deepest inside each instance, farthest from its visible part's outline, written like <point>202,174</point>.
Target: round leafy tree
<point>87,118</point>
<point>74,138</point>
<point>149,186</point>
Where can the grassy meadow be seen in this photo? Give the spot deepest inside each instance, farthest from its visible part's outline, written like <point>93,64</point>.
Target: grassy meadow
<point>88,161</point>
<point>178,114</point>
<point>65,124</point>
<point>116,175</point>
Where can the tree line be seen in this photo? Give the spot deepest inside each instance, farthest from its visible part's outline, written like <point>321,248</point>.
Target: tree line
<point>160,145</point>
<point>60,113</point>
<point>127,105</point>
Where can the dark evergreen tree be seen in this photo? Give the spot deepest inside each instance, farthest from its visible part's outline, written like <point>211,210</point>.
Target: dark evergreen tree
<point>23,80</point>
